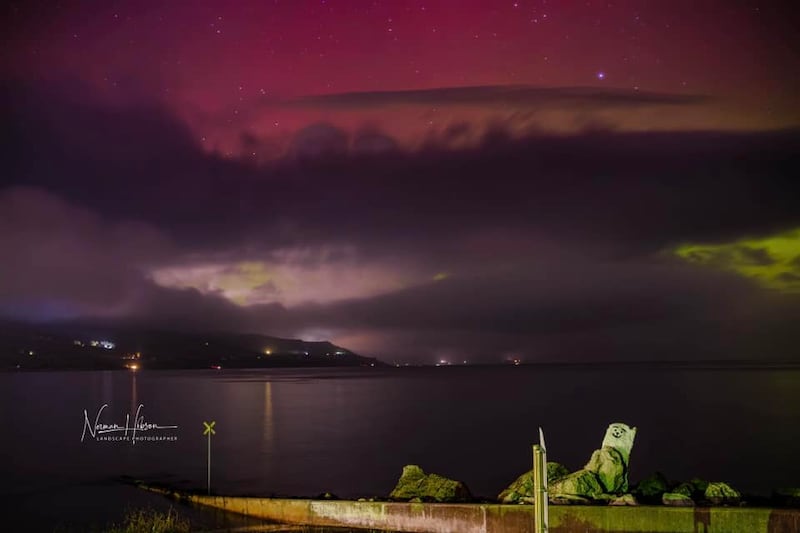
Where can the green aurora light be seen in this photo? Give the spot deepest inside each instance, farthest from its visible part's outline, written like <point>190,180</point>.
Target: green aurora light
<point>771,261</point>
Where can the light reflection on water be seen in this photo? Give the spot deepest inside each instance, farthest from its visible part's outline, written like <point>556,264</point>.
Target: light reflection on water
<point>269,428</point>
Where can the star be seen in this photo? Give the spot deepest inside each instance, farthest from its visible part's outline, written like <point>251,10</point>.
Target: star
<point>601,75</point>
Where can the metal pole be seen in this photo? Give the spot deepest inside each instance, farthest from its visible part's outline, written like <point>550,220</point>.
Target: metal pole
<point>209,430</point>
<point>535,476</point>
<point>538,491</point>
<point>545,500</point>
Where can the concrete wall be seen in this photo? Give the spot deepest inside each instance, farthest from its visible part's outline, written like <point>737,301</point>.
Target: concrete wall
<point>490,518</point>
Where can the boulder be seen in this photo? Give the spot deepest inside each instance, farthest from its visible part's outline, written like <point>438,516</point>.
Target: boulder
<point>415,483</point>
<point>699,485</point>
<point>609,465</point>
<point>676,499</point>
<point>651,488</point>
<point>625,499</point>
<point>567,499</point>
<point>687,489</point>
<point>720,493</point>
<point>521,490</point>
<point>789,496</point>
<point>583,484</point>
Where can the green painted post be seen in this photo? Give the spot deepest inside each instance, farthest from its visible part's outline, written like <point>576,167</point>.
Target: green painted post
<point>541,511</point>
<point>538,483</point>
<point>544,497</point>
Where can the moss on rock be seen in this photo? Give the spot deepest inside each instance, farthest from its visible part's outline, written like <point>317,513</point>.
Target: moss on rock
<point>651,488</point>
<point>609,465</point>
<point>521,489</point>
<point>699,485</point>
<point>720,493</point>
<point>789,496</point>
<point>415,483</point>
<point>625,499</point>
<point>583,483</point>
<point>555,471</point>
<point>686,489</point>
<point>676,499</point>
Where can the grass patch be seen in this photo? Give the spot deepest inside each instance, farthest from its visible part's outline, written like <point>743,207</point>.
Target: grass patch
<point>150,521</point>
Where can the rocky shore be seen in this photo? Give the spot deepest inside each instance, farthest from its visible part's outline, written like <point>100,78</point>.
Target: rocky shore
<point>603,480</point>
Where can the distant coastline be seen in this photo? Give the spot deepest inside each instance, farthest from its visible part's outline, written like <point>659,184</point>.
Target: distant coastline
<point>27,347</point>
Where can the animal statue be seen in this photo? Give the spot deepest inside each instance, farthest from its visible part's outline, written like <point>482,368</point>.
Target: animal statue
<point>606,473</point>
<point>601,479</point>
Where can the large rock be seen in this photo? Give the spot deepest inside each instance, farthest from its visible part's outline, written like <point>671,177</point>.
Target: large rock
<point>699,485</point>
<point>694,489</point>
<point>625,499</point>
<point>583,484</point>
<point>609,465</point>
<point>789,496</point>
<point>651,488</point>
<point>521,490</point>
<point>415,483</point>
<point>720,493</point>
<point>686,489</point>
<point>676,499</point>
<point>568,499</point>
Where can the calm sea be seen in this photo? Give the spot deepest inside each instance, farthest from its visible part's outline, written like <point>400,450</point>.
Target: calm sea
<point>350,431</point>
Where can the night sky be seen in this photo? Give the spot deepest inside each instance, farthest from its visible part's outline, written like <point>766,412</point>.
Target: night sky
<point>417,181</point>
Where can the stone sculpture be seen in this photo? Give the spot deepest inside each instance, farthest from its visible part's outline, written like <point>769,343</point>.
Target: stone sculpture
<point>606,473</point>
<point>603,478</point>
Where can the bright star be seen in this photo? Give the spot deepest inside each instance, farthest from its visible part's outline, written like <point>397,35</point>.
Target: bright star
<point>601,75</point>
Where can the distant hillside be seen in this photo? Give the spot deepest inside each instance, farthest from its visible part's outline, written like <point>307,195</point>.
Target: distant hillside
<point>26,346</point>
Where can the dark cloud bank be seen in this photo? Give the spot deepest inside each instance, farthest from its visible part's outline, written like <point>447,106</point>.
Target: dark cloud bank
<point>556,247</point>
<point>504,95</point>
